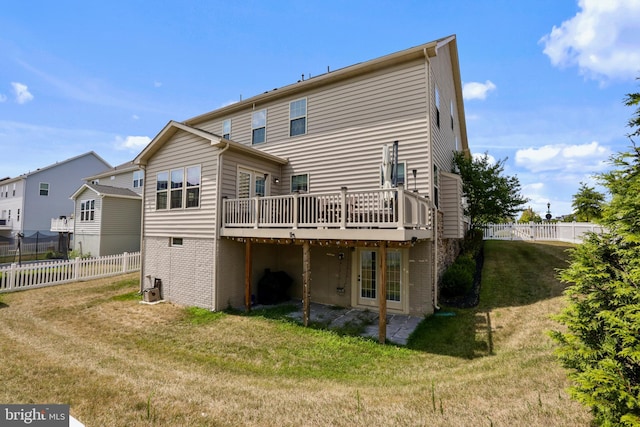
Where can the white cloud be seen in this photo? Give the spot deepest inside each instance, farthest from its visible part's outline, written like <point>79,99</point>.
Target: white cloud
<point>479,156</point>
<point>601,40</point>
<point>586,158</point>
<point>475,90</point>
<point>3,98</point>
<point>22,93</point>
<point>157,84</point>
<point>132,143</point>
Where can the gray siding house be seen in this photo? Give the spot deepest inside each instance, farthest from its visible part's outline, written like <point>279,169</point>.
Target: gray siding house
<point>342,181</point>
<point>107,212</point>
<point>29,201</point>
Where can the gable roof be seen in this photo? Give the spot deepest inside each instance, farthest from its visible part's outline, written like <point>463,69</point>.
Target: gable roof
<point>216,141</point>
<point>426,50</point>
<point>106,191</point>
<point>56,164</point>
<point>121,168</point>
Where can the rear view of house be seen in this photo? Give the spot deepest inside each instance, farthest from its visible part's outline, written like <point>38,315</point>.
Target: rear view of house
<point>342,183</point>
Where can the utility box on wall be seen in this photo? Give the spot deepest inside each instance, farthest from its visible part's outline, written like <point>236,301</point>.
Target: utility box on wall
<point>151,295</point>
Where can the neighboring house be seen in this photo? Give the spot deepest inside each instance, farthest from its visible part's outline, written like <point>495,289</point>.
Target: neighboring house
<point>108,212</point>
<point>301,180</point>
<point>29,201</point>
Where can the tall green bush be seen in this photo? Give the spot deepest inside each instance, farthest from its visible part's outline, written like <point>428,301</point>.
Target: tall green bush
<point>601,343</point>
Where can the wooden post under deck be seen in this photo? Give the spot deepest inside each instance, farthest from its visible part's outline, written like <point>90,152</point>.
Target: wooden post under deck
<point>247,275</point>
<point>306,278</point>
<point>382,294</point>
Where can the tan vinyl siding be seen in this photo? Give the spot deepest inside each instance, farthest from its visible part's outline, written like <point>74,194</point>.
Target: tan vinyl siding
<point>121,180</point>
<point>420,279</point>
<point>347,125</point>
<point>183,150</point>
<point>444,137</point>
<point>451,202</point>
<point>120,226</point>
<point>88,227</point>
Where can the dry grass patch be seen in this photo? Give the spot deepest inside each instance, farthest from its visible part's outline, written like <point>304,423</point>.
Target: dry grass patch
<point>121,363</point>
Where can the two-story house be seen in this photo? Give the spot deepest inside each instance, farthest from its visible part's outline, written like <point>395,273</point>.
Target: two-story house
<point>29,201</point>
<point>343,181</point>
<point>107,211</point>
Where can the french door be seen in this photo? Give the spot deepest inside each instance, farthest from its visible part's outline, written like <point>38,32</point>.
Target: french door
<point>252,183</point>
<point>369,274</point>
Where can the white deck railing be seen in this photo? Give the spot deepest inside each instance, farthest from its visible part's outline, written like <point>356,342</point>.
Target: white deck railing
<point>392,208</point>
<point>62,225</point>
<point>563,231</point>
<point>36,275</point>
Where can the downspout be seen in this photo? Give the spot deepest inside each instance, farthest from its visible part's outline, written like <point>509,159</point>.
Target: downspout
<point>144,176</point>
<point>435,209</point>
<point>218,223</point>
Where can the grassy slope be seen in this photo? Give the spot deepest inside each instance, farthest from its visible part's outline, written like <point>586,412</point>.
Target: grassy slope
<point>119,363</point>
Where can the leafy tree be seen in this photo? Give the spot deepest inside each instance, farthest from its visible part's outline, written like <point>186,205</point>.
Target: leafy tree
<point>587,203</point>
<point>601,343</point>
<point>529,215</point>
<point>491,196</point>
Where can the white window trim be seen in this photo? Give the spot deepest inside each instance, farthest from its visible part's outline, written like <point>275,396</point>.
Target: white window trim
<point>184,188</point>
<point>291,119</point>
<point>88,214</point>
<point>224,122</point>
<point>40,189</point>
<point>299,174</point>
<point>259,127</point>
<point>253,173</point>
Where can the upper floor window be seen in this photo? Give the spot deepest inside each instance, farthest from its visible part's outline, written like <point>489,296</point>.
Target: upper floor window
<point>437,107</point>
<point>451,114</point>
<point>138,179</point>
<point>259,127</point>
<point>44,189</point>
<point>14,189</point>
<point>300,183</point>
<point>226,129</point>
<point>298,117</point>
<point>87,210</point>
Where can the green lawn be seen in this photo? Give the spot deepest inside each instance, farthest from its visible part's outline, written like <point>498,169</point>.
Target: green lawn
<point>120,363</point>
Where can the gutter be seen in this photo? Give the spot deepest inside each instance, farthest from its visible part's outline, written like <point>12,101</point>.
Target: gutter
<point>144,176</point>
<point>217,220</point>
<point>434,279</point>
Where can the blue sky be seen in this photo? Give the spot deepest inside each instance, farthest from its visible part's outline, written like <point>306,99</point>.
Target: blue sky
<point>544,80</point>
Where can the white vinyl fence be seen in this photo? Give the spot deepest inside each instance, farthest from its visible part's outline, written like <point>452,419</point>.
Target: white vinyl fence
<point>572,232</point>
<point>36,275</point>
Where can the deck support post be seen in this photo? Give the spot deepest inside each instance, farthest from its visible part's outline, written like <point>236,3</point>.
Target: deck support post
<point>382,295</point>
<point>247,275</point>
<point>306,279</point>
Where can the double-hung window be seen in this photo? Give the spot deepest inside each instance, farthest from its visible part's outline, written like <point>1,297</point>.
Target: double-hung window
<point>437,107</point>
<point>177,183</point>
<point>193,187</point>
<point>226,129</point>
<point>44,189</point>
<point>138,179</point>
<point>87,210</point>
<point>300,183</point>
<point>298,117</point>
<point>162,180</point>
<point>259,127</point>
